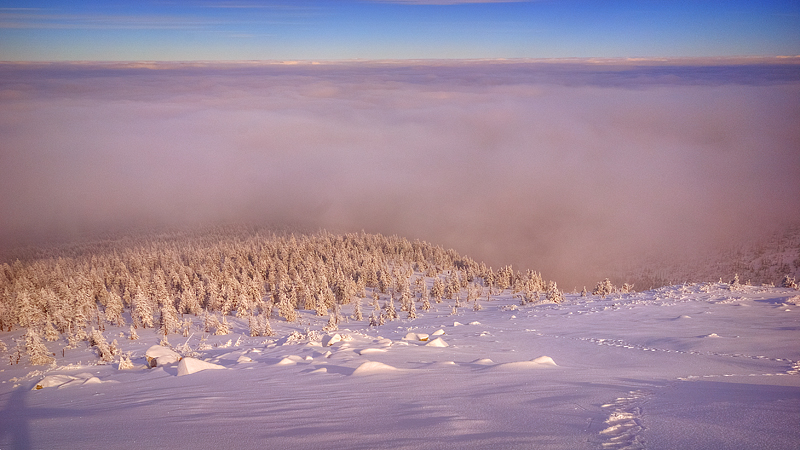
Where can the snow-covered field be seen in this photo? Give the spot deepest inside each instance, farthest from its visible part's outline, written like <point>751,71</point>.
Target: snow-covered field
<point>701,366</point>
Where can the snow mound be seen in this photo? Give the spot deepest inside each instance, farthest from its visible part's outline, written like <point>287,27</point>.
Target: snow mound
<point>161,356</point>
<point>438,342</point>
<point>483,361</point>
<point>288,361</point>
<point>374,367</point>
<point>53,381</point>
<point>712,335</point>
<point>545,360</point>
<point>62,381</point>
<point>537,363</point>
<point>367,351</point>
<point>244,359</point>
<point>416,337</point>
<point>188,366</point>
<point>328,341</point>
<point>475,323</point>
<point>438,332</point>
<point>320,370</point>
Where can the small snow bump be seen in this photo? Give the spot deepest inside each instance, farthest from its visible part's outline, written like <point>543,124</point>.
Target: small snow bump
<point>438,342</point>
<point>367,351</point>
<point>373,367</point>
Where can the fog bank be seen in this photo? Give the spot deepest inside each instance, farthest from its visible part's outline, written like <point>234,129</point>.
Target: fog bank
<point>563,168</point>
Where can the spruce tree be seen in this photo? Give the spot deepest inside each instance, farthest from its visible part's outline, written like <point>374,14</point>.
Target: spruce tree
<point>37,351</point>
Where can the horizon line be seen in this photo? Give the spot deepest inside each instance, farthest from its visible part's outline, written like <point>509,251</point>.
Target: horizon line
<point>655,61</point>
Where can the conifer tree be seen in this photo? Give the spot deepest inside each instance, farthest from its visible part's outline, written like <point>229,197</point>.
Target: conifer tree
<point>391,313</point>
<point>97,340</point>
<point>553,294</point>
<point>37,351</point>
<point>357,310</point>
<point>142,310</point>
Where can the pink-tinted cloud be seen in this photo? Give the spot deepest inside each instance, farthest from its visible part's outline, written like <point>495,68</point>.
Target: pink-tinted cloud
<point>564,168</point>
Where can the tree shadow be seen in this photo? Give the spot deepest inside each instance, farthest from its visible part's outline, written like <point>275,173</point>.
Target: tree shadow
<point>14,418</point>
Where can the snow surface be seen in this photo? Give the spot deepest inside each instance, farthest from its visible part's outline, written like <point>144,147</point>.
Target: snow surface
<point>626,371</point>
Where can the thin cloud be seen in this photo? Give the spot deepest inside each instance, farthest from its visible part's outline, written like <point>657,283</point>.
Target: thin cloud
<point>50,20</point>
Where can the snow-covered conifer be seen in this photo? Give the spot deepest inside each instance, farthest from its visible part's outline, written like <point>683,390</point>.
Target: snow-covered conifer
<point>125,363</point>
<point>412,310</point>
<point>142,310</point>
<point>133,335</point>
<point>437,290</point>
<point>553,294</point>
<point>37,351</point>
<point>391,313</point>
<point>96,339</point>
<point>332,324</point>
<point>168,321</point>
<point>357,310</point>
<point>50,332</point>
<point>223,327</point>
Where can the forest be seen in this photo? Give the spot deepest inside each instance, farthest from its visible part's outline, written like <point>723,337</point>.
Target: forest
<point>179,283</point>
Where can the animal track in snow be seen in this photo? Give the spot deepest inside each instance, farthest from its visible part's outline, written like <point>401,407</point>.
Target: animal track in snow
<point>623,427</point>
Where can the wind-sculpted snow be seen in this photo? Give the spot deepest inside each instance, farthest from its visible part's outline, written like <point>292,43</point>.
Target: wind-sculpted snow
<point>627,371</point>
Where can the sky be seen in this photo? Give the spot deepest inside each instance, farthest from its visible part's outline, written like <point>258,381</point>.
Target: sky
<point>47,30</point>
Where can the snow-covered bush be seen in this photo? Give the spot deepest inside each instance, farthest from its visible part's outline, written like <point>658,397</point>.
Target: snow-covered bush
<point>603,288</point>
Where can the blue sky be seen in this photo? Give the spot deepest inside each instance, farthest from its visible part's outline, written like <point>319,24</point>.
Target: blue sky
<point>330,30</point>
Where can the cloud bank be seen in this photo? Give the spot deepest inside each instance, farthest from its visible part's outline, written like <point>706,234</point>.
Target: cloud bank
<point>563,168</point>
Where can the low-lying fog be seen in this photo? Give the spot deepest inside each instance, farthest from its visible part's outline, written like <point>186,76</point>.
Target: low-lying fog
<point>562,168</point>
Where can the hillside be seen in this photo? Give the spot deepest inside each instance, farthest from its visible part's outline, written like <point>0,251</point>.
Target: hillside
<point>434,351</point>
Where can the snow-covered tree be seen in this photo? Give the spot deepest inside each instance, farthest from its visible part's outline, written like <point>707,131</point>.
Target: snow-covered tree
<point>37,351</point>
<point>97,340</point>
<point>603,288</point>
<point>553,294</point>
<point>788,282</point>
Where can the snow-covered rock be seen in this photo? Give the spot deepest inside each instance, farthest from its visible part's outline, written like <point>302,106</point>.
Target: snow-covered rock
<point>158,355</point>
<point>416,337</point>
